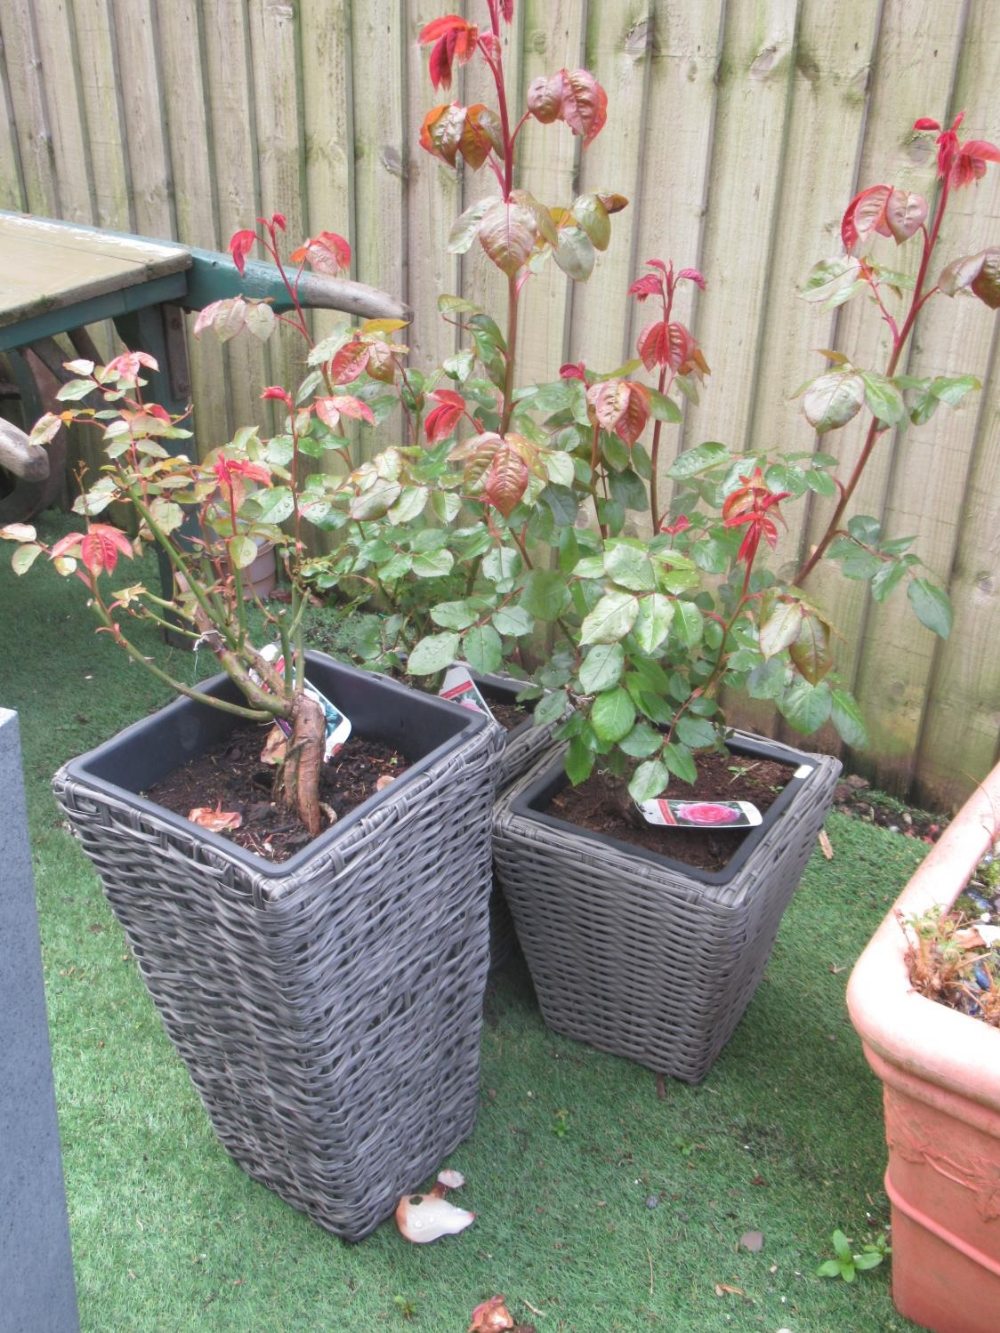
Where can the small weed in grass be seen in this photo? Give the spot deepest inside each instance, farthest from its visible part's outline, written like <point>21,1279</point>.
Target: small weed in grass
<point>847,1265</point>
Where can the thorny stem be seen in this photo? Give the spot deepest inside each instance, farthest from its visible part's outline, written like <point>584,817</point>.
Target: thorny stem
<point>876,428</point>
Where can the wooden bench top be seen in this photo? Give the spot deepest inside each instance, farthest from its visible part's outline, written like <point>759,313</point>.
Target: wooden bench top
<point>47,266</point>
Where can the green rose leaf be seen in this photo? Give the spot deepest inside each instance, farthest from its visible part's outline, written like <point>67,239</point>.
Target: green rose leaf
<point>641,742</point>
<point>695,732</point>
<point>781,628</point>
<point>602,667</point>
<point>652,624</point>
<point>807,706</point>
<point>433,653</point>
<point>689,624</point>
<point>883,398</point>
<point>611,619</point>
<point>433,565</point>
<point>579,761</point>
<point>700,459</point>
<point>274,505</point>
<point>630,567</point>
<point>846,717</point>
<point>24,557</point>
<point>482,649</point>
<point>513,621</point>
<point>931,605</point>
<point>648,781</point>
<point>242,552</point>
<point>680,762</point>
<point>454,615</point>
<point>545,594</point>
<point>612,714</point>
<point>550,708</point>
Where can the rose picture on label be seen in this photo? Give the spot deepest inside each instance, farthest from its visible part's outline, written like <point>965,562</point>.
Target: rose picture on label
<point>700,814</point>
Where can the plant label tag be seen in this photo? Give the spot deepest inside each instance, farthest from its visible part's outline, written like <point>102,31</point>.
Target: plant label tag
<point>338,727</point>
<point>700,814</point>
<point>459,687</point>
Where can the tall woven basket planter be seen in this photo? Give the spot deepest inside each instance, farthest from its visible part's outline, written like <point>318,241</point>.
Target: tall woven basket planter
<point>639,955</point>
<point>327,1008</point>
<point>526,744</point>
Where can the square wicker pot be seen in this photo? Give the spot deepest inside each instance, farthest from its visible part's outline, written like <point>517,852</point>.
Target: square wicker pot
<point>637,954</point>
<point>327,1008</point>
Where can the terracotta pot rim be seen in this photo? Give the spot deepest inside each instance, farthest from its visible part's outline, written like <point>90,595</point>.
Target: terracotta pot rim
<point>904,1028</point>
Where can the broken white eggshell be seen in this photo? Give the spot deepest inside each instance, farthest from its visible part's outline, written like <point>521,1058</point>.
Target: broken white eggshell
<point>422,1218</point>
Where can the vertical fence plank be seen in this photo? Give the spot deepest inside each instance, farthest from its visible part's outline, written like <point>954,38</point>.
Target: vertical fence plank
<point>138,79</point>
<point>28,103</point>
<point>755,74</point>
<point>230,96</point>
<point>669,204</point>
<point>553,39</point>
<point>903,88</point>
<point>280,152</point>
<point>482,282</point>
<point>70,150</point>
<point>433,202</point>
<point>826,118</point>
<point>195,209</point>
<point>378,43</point>
<point>619,54</point>
<point>932,465</point>
<point>98,92</point>
<point>325,55</point>
<point>12,192</point>
<point>959,741</point>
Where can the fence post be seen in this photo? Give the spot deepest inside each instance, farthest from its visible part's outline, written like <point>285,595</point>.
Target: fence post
<point>37,1294</point>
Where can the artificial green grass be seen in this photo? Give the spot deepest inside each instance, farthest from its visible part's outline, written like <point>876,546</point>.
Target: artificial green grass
<point>599,1205</point>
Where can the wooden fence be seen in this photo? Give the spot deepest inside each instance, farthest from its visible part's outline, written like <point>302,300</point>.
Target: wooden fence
<point>737,128</point>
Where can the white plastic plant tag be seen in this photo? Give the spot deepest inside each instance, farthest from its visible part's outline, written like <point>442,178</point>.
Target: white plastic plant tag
<point>700,814</point>
<point>338,727</point>
<point>460,688</point>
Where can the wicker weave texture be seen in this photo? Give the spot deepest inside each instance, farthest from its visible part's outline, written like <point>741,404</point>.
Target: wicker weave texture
<point>331,1021</point>
<point>525,746</point>
<point>643,960</point>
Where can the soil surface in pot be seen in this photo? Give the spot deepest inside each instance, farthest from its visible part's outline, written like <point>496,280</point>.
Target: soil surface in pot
<point>508,716</point>
<point>603,805</point>
<point>954,958</point>
<point>232,778</point>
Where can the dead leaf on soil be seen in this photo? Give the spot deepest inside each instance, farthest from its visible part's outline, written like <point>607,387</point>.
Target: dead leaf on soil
<point>491,1316</point>
<point>724,1289</point>
<point>274,746</point>
<point>217,820</point>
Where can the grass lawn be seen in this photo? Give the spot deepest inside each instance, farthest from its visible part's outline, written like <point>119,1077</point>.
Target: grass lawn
<point>599,1206</point>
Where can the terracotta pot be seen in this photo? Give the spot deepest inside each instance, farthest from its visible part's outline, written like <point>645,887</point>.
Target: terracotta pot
<point>941,1076</point>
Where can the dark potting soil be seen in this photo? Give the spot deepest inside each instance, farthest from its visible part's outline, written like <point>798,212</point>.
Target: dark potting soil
<point>603,805</point>
<point>232,778</point>
<point>508,716</point>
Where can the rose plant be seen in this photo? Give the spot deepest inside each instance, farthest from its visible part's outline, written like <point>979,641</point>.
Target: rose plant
<point>523,528</point>
<point>208,518</point>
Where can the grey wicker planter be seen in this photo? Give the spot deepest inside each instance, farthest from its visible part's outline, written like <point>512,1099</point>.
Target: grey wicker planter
<point>525,746</point>
<point>639,955</point>
<point>328,1008</point>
